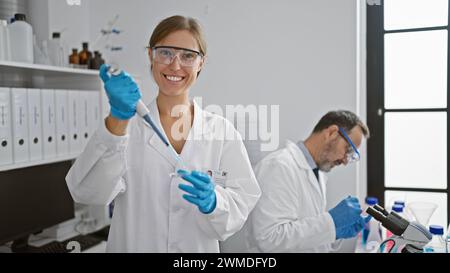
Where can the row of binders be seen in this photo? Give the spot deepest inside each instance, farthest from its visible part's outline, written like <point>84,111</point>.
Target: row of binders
<point>39,124</point>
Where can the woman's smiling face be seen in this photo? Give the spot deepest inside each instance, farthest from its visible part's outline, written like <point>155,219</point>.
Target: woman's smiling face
<point>175,79</point>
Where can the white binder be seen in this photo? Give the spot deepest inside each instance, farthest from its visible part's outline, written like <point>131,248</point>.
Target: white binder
<point>6,145</point>
<point>62,122</point>
<point>20,125</point>
<point>74,123</point>
<point>83,98</point>
<point>35,124</point>
<point>94,111</point>
<point>48,123</point>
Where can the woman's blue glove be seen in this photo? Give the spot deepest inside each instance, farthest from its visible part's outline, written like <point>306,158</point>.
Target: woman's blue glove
<point>123,93</point>
<point>202,194</point>
<point>346,213</point>
<point>352,230</point>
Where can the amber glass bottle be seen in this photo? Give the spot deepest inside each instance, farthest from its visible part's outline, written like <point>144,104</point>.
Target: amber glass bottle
<point>97,61</point>
<point>85,55</point>
<point>74,59</point>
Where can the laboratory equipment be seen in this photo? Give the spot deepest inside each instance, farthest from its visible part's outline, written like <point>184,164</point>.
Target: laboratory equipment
<point>30,203</point>
<point>370,237</point>
<point>398,207</point>
<point>96,61</point>
<point>56,50</point>
<point>143,111</point>
<point>21,40</point>
<point>408,237</point>
<point>422,211</point>
<point>40,52</point>
<point>85,55</point>
<point>106,36</point>
<point>405,213</point>
<point>438,243</point>
<point>5,51</point>
<point>74,59</point>
<point>372,225</point>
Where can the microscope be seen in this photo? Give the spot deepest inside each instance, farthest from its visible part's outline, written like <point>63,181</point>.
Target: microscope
<point>409,237</point>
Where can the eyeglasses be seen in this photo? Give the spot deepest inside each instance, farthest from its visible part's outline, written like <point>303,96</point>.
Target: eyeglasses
<point>352,153</point>
<point>166,55</point>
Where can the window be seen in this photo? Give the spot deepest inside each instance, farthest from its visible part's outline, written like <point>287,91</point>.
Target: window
<point>407,102</point>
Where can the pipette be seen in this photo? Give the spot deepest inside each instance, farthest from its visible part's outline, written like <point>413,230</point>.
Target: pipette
<point>143,111</point>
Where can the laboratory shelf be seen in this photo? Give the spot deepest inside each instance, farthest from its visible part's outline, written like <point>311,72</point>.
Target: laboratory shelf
<point>39,69</point>
<point>15,74</point>
<point>60,79</point>
<point>37,162</point>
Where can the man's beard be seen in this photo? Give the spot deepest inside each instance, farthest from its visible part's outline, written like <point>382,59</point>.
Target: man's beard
<point>324,164</point>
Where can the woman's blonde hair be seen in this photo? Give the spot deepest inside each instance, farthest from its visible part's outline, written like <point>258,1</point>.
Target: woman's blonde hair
<point>175,23</point>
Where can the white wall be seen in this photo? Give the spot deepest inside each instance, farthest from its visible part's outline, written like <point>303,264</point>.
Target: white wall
<point>72,21</point>
<point>302,55</point>
<point>48,16</point>
<point>316,69</point>
<point>38,14</point>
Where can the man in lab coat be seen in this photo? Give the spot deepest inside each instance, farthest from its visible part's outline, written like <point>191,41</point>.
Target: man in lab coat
<point>291,215</point>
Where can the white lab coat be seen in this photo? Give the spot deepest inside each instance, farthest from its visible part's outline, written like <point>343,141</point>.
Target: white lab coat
<point>150,214</point>
<point>291,215</point>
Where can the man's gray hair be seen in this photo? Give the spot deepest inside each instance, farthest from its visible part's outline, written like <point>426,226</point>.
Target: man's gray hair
<point>343,119</point>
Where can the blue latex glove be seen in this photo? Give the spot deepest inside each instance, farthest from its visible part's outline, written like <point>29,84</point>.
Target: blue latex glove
<point>346,212</point>
<point>202,193</point>
<point>123,93</point>
<point>352,230</point>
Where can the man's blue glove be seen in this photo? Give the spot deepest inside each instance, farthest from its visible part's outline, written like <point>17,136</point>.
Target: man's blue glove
<point>202,194</point>
<point>353,229</point>
<point>123,93</point>
<point>346,213</point>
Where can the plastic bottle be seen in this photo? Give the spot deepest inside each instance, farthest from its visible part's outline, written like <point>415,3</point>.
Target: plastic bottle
<point>374,238</point>
<point>405,213</point>
<point>45,52</point>
<point>21,39</point>
<point>40,57</point>
<point>5,50</point>
<point>370,201</point>
<point>56,50</point>
<point>369,238</point>
<point>438,243</point>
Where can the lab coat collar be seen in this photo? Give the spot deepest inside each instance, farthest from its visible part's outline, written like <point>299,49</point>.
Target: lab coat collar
<point>302,163</point>
<point>197,132</point>
<point>307,154</point>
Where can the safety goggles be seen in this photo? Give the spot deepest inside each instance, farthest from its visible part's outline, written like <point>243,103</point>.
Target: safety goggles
<point>352,153</point>
<point>166,55</point>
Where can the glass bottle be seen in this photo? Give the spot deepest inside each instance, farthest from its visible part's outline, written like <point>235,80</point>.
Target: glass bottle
<point>74,59</point>
<point>85,56</point>
<point>97,61</point>
<point>438,243</point>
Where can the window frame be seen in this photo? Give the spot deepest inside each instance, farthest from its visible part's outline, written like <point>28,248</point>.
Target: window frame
<point>375,104</point>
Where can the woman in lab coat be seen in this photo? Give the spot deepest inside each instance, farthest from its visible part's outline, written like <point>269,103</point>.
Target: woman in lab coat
<point>127,163</point>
